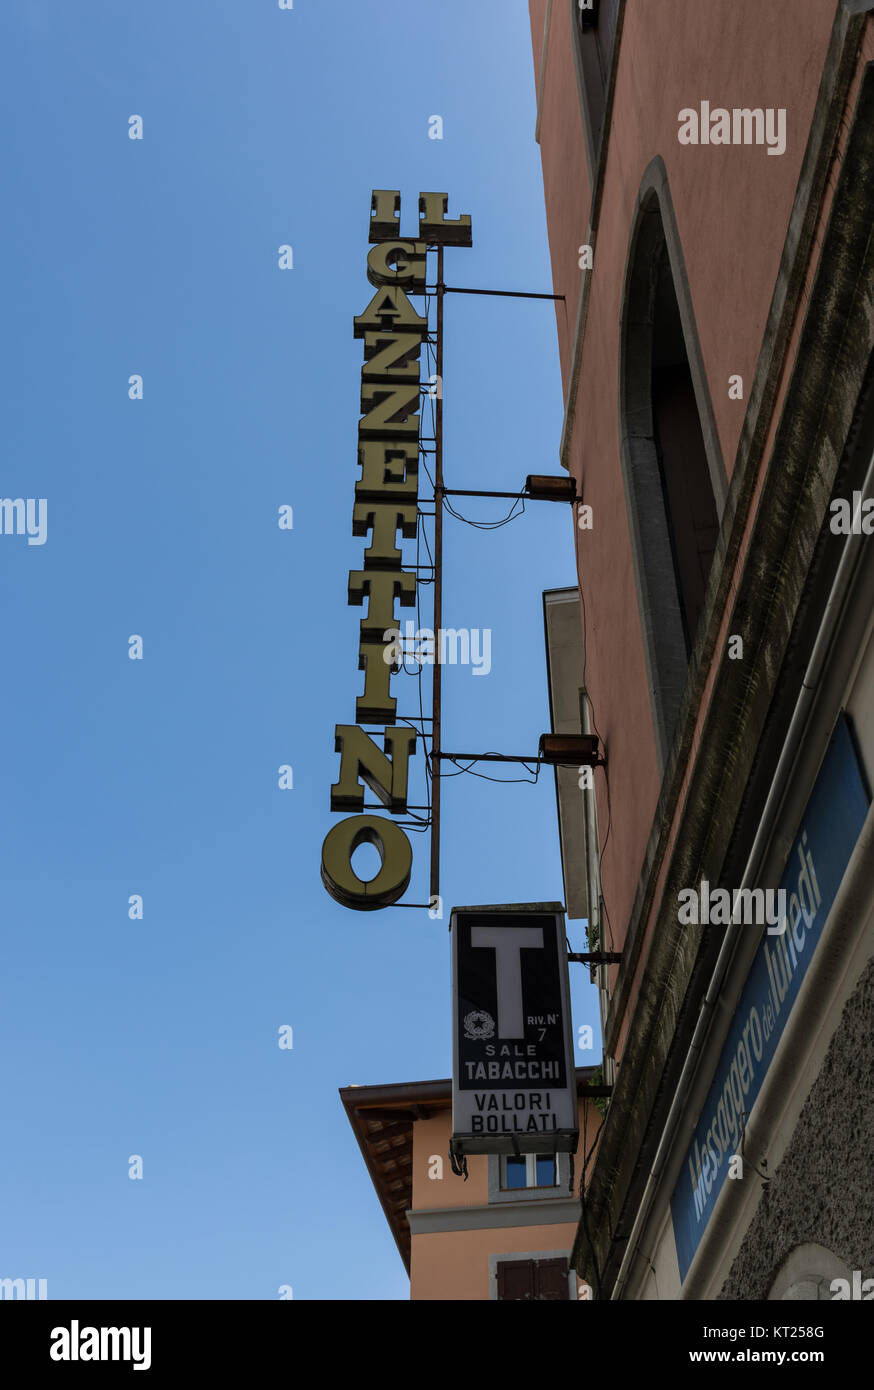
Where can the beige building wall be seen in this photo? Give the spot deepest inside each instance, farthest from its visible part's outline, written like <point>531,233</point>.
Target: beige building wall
<point>456,1264</point>
<point>460,1263</point>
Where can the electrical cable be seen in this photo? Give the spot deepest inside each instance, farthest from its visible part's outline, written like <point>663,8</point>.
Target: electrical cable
<point>512,515</point>
<point>530,781</point>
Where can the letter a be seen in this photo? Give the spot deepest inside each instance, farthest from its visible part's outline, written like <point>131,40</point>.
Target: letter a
<point>735,388</point>
<point>688,132</point>
<point>840,523</point>
<point>60,1347</point>
<point>688,910</point>
<point>135,127</point>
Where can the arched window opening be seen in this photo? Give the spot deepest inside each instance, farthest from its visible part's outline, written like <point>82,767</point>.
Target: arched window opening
<point>671,463</point>
<point>690,505</point>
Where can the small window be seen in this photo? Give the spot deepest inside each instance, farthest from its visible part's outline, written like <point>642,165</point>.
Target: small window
<point>515,1172</point>
<point>545,1170</point>
<point>528,1170</point>
<point>594,32</point>
<point>588,14</point>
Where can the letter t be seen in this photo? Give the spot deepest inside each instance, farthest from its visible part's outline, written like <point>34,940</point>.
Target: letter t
<point>507,942</point>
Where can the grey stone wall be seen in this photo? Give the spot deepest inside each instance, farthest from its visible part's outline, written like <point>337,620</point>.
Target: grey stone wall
<point>823,1190</point>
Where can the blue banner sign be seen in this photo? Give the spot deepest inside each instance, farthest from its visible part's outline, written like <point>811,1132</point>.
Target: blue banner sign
<point>828,833</point>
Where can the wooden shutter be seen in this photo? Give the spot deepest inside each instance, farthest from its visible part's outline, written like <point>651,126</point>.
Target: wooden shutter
<point>551,1280</point>
<point>516,1280</point>
<point>528,1280</point>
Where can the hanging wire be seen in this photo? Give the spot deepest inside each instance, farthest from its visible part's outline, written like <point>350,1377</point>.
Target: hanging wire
<point>512,515</point>
<point>504,780</point>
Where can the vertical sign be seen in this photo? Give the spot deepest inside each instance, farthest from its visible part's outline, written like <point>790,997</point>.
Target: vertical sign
<point>386,510</point>
<point>513,1080</point>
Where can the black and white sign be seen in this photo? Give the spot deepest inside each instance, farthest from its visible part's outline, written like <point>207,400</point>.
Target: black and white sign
<point>513,1082</point>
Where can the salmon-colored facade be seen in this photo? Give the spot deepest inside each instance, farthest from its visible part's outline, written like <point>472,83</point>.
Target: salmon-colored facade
<point>706,171</point>
<point>455,1234</point>
<point>733,208</point>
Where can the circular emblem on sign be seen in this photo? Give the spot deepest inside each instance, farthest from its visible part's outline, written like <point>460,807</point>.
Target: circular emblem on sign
<point>478,1024</point>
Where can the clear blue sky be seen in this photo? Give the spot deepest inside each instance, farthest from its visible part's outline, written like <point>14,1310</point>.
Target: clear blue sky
<point>159,777</point>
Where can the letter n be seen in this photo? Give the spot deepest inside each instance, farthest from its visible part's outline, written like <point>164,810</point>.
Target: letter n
<point>385,773</point>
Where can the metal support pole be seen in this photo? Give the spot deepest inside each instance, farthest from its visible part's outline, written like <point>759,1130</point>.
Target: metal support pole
<point>521,495</point>
<point>503,294</point>
<point>491,758</point>
<point>436,698</point>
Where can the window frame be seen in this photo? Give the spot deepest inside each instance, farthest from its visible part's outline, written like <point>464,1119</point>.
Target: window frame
<point>530,1171</point>
<point>557,1192</point>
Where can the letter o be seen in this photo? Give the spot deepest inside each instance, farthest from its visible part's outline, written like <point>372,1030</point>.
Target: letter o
<point>394,850</point>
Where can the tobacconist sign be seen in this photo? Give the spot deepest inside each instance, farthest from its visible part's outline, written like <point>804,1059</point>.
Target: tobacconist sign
<point>513,1079</point>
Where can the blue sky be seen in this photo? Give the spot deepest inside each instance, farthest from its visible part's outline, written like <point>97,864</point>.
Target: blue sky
<point>159,777</point>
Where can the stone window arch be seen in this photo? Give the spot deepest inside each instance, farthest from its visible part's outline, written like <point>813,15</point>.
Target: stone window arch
<point>806,1275</point>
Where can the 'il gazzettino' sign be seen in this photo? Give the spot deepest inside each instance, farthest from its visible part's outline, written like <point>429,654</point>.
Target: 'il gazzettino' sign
<point>385,506</point>
<point>513,1081</point>
<point>829,830</point>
